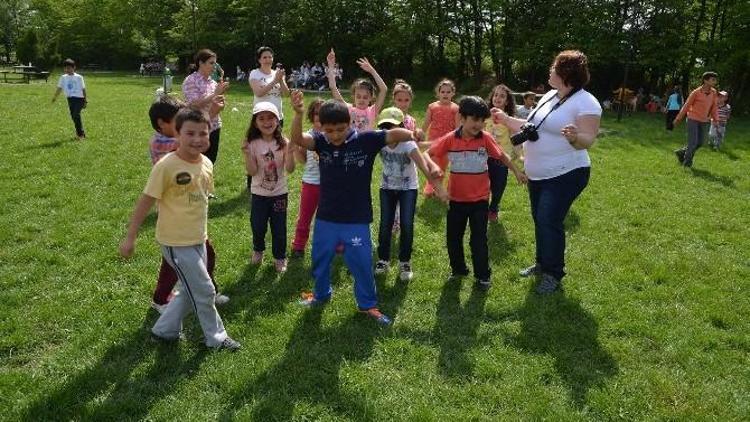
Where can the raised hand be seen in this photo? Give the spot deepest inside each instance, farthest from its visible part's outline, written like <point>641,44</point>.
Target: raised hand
<point>331,59</point>
<point>298,101</point>
<point>365,65</point>
<point>221,87</point>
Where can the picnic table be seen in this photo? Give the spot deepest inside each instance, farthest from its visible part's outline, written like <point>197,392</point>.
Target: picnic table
<point>27,73</point>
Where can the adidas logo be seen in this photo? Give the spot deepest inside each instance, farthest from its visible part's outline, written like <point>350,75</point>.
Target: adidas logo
<point>356,241</point>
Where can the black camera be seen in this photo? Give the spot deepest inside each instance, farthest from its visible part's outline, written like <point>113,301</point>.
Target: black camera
<point>528,133</point>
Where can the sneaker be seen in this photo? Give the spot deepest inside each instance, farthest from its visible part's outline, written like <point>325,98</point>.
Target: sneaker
<point>296,253</point>
<point>492,215</point>
<point>307,299</point>
<point>483,284</point>
<point>228,344</point>
<point>221,299</point>
<point>459,273</point>
<point>381,267</point>
<point>680,153</point>
<point>256,258</point>
<point>378,316</point>
<point>404,268</point>
<point>159,308</point>
<point>529,271</point>
<point>211,196</point>
<point>280,265</point>
<point>548,284</point>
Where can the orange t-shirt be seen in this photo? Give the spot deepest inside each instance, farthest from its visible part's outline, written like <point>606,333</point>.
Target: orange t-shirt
<point>469,181</point>
<point>701,106</point>
<point>442,119</point>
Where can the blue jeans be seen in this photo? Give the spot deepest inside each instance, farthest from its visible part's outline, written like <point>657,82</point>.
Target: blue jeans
<point>406,200</point>
<point>357,255</point>
<point>498,181</point>
<point>550,202</point>
<point>75,105</point>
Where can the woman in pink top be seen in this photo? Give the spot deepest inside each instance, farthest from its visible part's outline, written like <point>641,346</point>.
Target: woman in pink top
<point>441,118</point>
<point>204,93</point>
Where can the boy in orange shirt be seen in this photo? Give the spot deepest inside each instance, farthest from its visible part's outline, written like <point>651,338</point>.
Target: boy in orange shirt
<point>700,107</point>
<point>467,150</point>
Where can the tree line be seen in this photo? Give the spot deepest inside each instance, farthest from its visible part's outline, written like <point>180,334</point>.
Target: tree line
<point>658,43</point>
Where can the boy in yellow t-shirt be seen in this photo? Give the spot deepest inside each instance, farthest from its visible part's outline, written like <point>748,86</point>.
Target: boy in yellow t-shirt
<point>181,182</point>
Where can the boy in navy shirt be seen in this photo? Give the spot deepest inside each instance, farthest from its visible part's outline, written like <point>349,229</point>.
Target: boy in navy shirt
<point>345,210</point>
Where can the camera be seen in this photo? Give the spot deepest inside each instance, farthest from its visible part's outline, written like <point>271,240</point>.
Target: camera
<point>528,133</point>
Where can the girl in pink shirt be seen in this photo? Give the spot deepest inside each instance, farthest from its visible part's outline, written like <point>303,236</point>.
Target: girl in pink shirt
<point>267,160</point>
<point>442,117</point>
<point>364,111</point>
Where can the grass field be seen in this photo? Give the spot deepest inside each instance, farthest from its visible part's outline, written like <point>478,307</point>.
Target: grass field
<point>653,323</point>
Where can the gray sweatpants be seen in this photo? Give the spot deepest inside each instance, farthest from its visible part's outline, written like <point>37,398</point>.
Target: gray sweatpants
<point>696,134</point>
<point>196,293</point>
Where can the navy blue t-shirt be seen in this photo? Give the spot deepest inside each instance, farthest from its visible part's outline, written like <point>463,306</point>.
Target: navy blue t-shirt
<point>345,176</point>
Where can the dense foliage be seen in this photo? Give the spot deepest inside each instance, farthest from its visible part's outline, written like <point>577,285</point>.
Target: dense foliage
<point>660,42</point>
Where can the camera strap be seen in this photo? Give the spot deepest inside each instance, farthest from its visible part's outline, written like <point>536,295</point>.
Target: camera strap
<point>554,107</point>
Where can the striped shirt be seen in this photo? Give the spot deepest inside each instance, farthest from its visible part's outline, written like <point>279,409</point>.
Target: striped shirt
<point>724,112</point>
<point>469,180</point>
<point>160,146</point>
<point>197,87</point>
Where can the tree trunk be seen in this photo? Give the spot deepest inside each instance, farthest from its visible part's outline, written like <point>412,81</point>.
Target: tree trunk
<point>693,52</point>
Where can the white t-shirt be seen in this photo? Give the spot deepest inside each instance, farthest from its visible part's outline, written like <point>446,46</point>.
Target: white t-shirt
<point>552,155</point>
<point>311,175</point>
<point>72,85</point>
<point>399,171</point>
<point>274,95</point>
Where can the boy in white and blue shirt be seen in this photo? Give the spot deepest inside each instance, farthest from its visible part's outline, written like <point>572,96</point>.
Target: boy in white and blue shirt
<point>75,90</point>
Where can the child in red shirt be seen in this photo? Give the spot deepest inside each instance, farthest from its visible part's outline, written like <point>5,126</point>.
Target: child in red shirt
<point>467,150</point>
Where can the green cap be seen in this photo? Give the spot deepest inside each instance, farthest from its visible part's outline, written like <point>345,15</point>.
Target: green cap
<point>392,115</point>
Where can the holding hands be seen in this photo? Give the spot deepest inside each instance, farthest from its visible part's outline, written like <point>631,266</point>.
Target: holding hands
<point>298,101</point>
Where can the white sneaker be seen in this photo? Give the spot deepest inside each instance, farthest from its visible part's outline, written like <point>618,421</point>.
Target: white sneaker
<point>404,268</point>
<point>159,308</point>
<point>221,299</point>
<point>381,267</point>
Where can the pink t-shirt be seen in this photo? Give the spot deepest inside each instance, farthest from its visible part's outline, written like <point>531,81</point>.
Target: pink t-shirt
<point>443,119</point>
<point>363,118</point>
<point>270,180</point>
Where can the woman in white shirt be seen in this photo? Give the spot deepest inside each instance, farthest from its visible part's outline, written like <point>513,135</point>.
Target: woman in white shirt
<point>268,84</point>
<point>557,164</point>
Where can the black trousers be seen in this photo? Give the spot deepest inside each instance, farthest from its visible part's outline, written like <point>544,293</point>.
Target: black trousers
<point>213,150</point>
<point>265,211</point>
<point>475,213</point>
<point>75,105</point>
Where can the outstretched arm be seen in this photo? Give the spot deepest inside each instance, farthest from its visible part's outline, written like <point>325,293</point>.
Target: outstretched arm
<point>300,139</point>
<point>331,58</point>
<point>382,87</point>
<point>142,207</point>
<point>397,135</point>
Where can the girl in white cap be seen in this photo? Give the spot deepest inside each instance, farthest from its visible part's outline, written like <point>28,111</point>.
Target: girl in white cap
<point>268,159</point>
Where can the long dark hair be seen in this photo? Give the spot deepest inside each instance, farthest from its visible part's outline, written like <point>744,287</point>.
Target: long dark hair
<point>510,103</point>
<point>254,133</point>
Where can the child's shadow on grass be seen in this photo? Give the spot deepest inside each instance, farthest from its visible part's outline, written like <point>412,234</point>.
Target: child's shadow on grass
<point>559,327</point>
<point>498,243</point>
<point>309,371</point>
<point>236,205</point>
<point>432,211</point>
<point>53,144</point>
<point>127,392</point>
<point>713,178</point>
<point>456,329</point>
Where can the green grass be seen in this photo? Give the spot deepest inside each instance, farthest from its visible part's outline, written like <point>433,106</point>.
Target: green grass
<point>653,324</point>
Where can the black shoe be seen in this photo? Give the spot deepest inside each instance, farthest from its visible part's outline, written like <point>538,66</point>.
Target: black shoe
<point>680,153</point>
<point>483,284</point>
<point>548,284</point>
<point>228,344</point>
<point>459,273</point>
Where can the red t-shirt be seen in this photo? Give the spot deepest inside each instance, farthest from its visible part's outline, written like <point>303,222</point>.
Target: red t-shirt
<point>469,181</point>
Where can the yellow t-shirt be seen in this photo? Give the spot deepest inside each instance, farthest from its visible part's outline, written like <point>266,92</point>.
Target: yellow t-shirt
<point>181,189</point>
<point>501,134</point>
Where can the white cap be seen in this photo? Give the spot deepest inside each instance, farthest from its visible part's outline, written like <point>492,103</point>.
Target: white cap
<point>266,106</point>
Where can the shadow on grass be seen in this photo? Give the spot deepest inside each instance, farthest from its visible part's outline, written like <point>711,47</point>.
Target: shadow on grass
<point>229,206</point>
<point>53,144</point>
<point>432,211</point>
<point>111,390</point>
<point>713,178</point>
<point>729,154</point>
<point>308,374</point>
<point>572,221</point>
<point>456,329</point>
<point>559,327</point>
<point>498,243</point>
